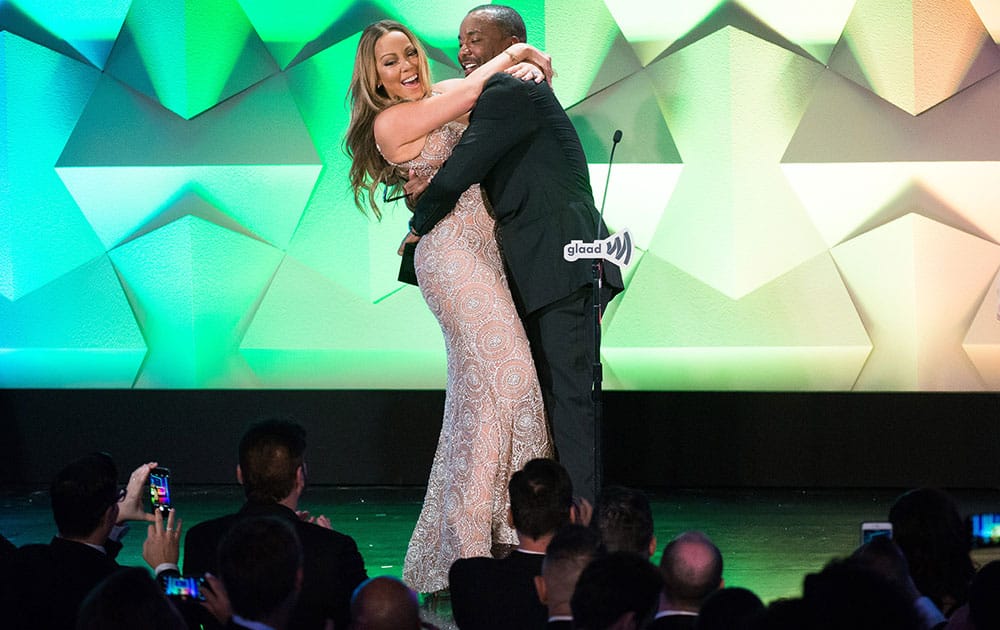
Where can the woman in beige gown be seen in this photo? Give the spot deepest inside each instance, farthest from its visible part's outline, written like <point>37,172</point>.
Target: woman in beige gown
<point>494,419</point>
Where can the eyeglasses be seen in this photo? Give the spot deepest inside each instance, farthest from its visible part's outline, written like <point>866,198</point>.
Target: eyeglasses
<point>385,194</point>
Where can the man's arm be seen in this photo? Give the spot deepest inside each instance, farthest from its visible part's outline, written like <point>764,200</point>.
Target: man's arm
<point>504,115</point>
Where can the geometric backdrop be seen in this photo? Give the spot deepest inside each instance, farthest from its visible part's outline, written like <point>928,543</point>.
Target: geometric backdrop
<point>814,189</point>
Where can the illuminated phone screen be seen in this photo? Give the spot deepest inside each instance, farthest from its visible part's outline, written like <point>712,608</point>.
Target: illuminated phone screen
<point>159,489</point>
<point>985,529</point>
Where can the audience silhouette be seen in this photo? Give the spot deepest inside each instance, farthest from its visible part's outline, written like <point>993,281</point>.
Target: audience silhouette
<point>272,566</point>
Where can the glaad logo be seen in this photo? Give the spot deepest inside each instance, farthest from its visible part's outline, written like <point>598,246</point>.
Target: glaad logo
<point>616,249</point>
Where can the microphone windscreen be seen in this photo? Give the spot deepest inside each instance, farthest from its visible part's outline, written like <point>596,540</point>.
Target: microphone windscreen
<point>618,136</point>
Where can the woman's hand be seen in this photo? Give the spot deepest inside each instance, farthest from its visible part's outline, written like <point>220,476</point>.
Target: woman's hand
<point>521,52</point>
<point>410,238</point>
<point>526,72</point>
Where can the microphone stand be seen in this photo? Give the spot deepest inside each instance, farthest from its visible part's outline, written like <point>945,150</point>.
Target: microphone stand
<point>598,369</point>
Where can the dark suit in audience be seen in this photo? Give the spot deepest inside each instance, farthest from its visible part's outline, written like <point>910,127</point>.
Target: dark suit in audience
<point>884,557</point>
<point>500,594</point>
<point>129,598</point>
<point>729,609</point>
<point>927,526</point>
<point>846,594</point>
<point>495,593</point>
<point>674,621</point>
<point>619,590</point>
<point>7,549</point>
<point>42,586</point>
<point>47,583</point>
<point>272,465</point>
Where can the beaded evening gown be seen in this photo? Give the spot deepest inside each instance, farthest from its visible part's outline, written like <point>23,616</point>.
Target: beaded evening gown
<point>494,418</point>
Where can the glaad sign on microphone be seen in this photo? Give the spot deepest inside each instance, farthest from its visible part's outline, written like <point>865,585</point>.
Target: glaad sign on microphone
<point>616,249</point>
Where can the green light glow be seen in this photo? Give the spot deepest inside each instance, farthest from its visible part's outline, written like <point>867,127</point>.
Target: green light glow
<point>194,54</point>
<point>77,331</point>
<point>42,233</point>
<point>182,217</point>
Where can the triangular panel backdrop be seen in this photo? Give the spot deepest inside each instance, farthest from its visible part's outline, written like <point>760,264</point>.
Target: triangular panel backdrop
<point>813,189</point>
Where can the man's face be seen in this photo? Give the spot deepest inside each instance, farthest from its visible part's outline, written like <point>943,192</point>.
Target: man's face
<point>479,40</point>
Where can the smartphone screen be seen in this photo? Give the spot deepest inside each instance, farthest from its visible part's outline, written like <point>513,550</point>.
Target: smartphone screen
<point>159,489</point>
<point>183,587</point>
<point>985,529</point>
<point>872,529</point>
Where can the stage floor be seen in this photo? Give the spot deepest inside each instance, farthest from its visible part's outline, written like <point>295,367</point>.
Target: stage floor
<point>770,538</point>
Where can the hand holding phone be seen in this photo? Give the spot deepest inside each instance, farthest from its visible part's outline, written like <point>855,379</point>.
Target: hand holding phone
<point>184,587</point>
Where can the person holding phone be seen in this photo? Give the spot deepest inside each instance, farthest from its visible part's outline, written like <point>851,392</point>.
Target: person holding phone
<point>43,585</point>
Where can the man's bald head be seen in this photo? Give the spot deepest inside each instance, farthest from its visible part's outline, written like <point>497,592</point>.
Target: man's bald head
<point>692,569</point>
<point>384,603</point>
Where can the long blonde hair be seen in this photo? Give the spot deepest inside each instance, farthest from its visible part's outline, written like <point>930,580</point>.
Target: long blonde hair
<point>368,98</point>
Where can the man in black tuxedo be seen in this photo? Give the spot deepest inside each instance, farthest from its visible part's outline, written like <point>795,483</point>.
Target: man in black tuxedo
<point>272,470</point>
<point>260,571</point>
<point>499,594</point>
<point>43,585</point>
<point>521,146</point>
<point>617,591</point>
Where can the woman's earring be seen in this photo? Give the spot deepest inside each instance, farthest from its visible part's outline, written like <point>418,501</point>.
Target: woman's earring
<point>378,86</point>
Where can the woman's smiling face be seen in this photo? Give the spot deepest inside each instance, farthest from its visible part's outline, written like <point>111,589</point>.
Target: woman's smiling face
<point>397,61</point>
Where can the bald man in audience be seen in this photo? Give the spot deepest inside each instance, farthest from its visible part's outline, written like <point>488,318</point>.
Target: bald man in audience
<point>385,603</point>
<point>691,566</point>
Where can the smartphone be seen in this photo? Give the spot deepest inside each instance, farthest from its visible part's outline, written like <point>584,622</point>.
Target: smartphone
<point>985,529</point>
<point>159,489</point>
<point>184,587</point>
<point>874,529</point>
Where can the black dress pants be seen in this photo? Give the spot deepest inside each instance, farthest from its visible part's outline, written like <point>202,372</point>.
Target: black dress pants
<point>562,345</point>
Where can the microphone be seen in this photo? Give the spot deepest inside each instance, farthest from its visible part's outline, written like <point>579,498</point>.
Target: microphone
<point>615,139</point>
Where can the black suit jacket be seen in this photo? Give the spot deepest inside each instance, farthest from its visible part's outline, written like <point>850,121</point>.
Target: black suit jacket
<point>490,594</point>
<point>332,569</point>
<point>43,586</point>
<point>674,622</point>
<point>523,149</point>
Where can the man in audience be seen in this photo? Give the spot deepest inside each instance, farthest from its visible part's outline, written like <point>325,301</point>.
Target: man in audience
<point>260,573</point>
<point>619,590</point>
<point>732,608</point>
<point>491,593</point>
<point>384,603</point>
<point>6,548</point>
<point>129,598</point>
<point>927,526</point>
<point>44,585</point>
<point>884,557</point>
<point>568,553</point>
<point>692,570</point>
<point>846,594</point>
<point>272,470</point>
<point>625,521</point>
